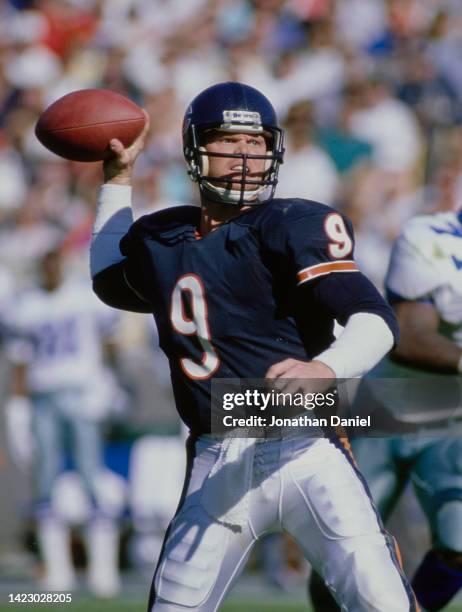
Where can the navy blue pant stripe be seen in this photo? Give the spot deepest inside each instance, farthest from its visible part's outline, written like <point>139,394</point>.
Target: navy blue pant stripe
<point>388,538</point>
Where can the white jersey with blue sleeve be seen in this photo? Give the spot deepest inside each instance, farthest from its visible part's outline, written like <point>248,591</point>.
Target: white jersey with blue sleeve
<point>59,335</point>
<point>425,266</point>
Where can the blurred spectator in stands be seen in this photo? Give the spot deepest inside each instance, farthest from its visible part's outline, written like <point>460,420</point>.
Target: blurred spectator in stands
<point>361,25</point>
<point>430,94</point>
<point>348,152</point>
<point>444,192</point>
<point>390,127</point>
<point>308,171</point>
<point>13,185</point>
<point>445,48</point>
<point>318,71</point>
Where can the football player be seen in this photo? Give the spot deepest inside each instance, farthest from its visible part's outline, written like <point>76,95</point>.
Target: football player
<point>249,286</point>
<point>55,347</point>
<point>424,284</point>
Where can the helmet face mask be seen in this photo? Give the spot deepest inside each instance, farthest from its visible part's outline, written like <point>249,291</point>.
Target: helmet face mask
<point>235,109</point>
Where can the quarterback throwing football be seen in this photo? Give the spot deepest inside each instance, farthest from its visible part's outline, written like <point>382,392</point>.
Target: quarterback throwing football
<point>249,286</point>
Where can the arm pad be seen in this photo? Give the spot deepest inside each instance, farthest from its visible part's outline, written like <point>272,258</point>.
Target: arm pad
<point>371,328</point>
<point>114,216</point>
<point>364,341</point>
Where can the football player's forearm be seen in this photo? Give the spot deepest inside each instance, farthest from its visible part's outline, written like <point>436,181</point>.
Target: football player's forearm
<point>364,341</point>
<point>371,328</point>
<point>430,350</point>
<point>114,216</point>
<point>421,344</point>
<point>344,295</point>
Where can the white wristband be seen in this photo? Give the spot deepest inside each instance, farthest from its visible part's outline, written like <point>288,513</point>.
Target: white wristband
<point>114,216</point>
<point>364,341</point>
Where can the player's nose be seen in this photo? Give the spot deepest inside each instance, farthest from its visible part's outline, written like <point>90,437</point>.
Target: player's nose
<point>242,146</point>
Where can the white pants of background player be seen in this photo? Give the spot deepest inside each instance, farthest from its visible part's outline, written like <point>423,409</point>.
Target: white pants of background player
<point>57,425</point>
<point>307,487</point>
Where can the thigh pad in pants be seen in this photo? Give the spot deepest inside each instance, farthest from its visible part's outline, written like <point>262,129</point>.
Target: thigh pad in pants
<point>192,558</point>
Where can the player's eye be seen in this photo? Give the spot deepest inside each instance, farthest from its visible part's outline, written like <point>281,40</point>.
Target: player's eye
<point>255,142</point>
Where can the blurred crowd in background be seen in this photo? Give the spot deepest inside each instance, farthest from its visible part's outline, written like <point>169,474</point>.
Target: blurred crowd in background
<point>369,93</point>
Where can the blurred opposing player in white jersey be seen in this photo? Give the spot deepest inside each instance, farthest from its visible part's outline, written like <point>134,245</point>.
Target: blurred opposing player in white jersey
<point>57,331</point>
<point>424,285</point>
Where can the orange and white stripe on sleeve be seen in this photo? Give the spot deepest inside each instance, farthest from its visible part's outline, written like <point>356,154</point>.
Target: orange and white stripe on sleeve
<point>307,274</point>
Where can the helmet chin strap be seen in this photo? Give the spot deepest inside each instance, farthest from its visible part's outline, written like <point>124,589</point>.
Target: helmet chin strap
<point>234,196</point>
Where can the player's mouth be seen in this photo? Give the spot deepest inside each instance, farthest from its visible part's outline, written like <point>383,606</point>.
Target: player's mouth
<point>236,180</point>
<point>241,176</point>
<point>238,170</point>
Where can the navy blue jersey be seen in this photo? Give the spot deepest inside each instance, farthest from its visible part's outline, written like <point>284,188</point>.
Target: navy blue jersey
<point>261,288</point>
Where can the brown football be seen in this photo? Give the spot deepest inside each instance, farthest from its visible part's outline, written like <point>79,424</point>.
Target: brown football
<point>80,125</point>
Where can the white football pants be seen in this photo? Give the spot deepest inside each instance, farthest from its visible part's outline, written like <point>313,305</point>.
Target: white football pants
<point>307,487</point>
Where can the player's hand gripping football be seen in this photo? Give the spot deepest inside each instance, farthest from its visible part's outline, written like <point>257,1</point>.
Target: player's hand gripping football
<point>118,168</point>
<point>293,376</point>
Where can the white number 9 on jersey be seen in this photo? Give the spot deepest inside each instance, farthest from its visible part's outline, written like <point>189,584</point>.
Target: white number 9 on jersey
<point>340,244</point>
<point>196,324</point>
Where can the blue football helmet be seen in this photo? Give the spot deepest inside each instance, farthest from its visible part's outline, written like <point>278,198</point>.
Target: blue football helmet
<point>237,108</point>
